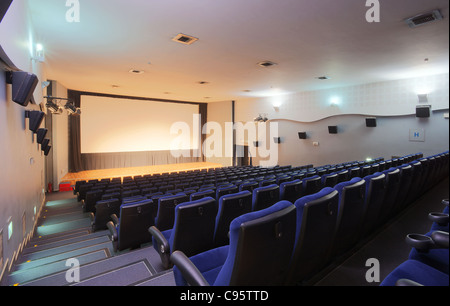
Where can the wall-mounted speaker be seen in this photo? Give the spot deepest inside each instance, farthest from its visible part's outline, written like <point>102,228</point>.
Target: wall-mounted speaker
<point>23,85</point>
<point>45,144</point>
<point>256,144</point>
<point>332,129</point>
<point>36,118</point>
<point>371,122</point>
<point>277,139</point>
<point>47,150</point>
<point>302,135</point>
<point>41,135</point>
<point>423,111</point>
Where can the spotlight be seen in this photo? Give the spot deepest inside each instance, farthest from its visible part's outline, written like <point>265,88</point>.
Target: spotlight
<point>53,107</point>
<point>72,109</point>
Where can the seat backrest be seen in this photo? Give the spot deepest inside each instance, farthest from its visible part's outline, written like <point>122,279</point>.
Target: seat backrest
<point>406,176</point>
<point>375,193</point>
<point>311,185</point>
<point>203,194</point>
<point>166,210</point>
<point>329,180</point>
<point>261,245</point>
<point>91,199</point>
<point>193,230</point>
<point>291,191</point>
<point>135,220</point>
<point>316,223</point>
<point>231,206</point>
<point>103,211</point>
<point>250,186</point>
<point>266,196</point>
<point>414,190</point>
<point>392,186</point>
<point>350,214</point>
<point>342,175</point>
<point>226,190</point>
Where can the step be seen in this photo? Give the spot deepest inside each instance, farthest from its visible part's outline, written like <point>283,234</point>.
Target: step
<point>64,249</point>
<point>79,232</point>
<point>45,230</point>
<point>122,276</point>
<point>164,278</point>
<point>96,269</point>
<point>32,273</point>
<point>65,240</point>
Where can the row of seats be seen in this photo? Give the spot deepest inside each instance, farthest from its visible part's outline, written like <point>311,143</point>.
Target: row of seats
<point>103,199</point>
<point>327,224</point>
<point>260,195</point>
<point>102,203</point>
<point>428,261</point>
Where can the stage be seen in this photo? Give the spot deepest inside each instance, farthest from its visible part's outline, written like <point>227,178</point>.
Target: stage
<point>135,171</point>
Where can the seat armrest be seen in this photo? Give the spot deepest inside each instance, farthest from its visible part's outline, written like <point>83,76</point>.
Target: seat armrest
<point>115,219</point>
<point>440,218</point>
<point>403,282</point>
<point>92,217</point>
<point>163,247</point>
<point>440,239</point>
<point>112,230</point>
<point>189,271</point>
<point>83,205</point>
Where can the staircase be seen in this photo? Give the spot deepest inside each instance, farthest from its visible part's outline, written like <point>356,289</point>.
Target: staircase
<point>64,232</point>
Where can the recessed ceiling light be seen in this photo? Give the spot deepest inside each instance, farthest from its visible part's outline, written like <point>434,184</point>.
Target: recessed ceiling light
<point>266,64</point>
<point>185,39</point>
<point>203,82</point>
<point>115,86</point>
<point>246,90</point>
<point>323,77</point>
<point>136,71</point>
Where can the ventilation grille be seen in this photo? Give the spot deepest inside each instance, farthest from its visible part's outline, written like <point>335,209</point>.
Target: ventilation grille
<point>424,19</point>
<point>266,64</point>
<point>185,39</point>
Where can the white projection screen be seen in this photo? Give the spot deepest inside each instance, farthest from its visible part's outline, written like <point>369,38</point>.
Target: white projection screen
<point>110,124</point>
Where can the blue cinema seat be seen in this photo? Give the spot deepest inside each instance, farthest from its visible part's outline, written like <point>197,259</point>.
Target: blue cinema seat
<point>265,196</point>
<point>231,206</point>
<point>350,214</point>
<point>192,232</point>
<point>316,223</point>
<point>131,229</point>
<point>261,245</point>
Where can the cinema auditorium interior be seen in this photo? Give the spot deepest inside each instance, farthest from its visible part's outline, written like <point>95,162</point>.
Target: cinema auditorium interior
<point>230,143</point>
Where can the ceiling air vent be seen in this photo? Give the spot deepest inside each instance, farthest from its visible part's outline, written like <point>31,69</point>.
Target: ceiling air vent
<point>266,64</point>
<point>185,39</point>
<point>424,18</point>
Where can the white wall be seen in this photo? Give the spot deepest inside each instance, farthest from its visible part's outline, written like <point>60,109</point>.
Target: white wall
<point>218,114</point>
<point>60,139</point>
<point>392,102</point>
<point>21,160</point>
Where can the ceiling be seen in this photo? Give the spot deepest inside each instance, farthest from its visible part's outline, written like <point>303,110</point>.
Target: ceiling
<point>306,38</point>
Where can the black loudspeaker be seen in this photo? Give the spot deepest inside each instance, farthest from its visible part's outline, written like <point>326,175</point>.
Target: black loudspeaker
<point>4,5</point>
<point>36,118</point>
<point>47,150</point>
<point>332,129</point>
<point>302,135</point>
<point>277,139</point>
<point>23,85</point>
<point>256,143</point>
<point>423,111</point>
<point>41,135</point>
<point>371,122</point>
<point>45,143</point>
